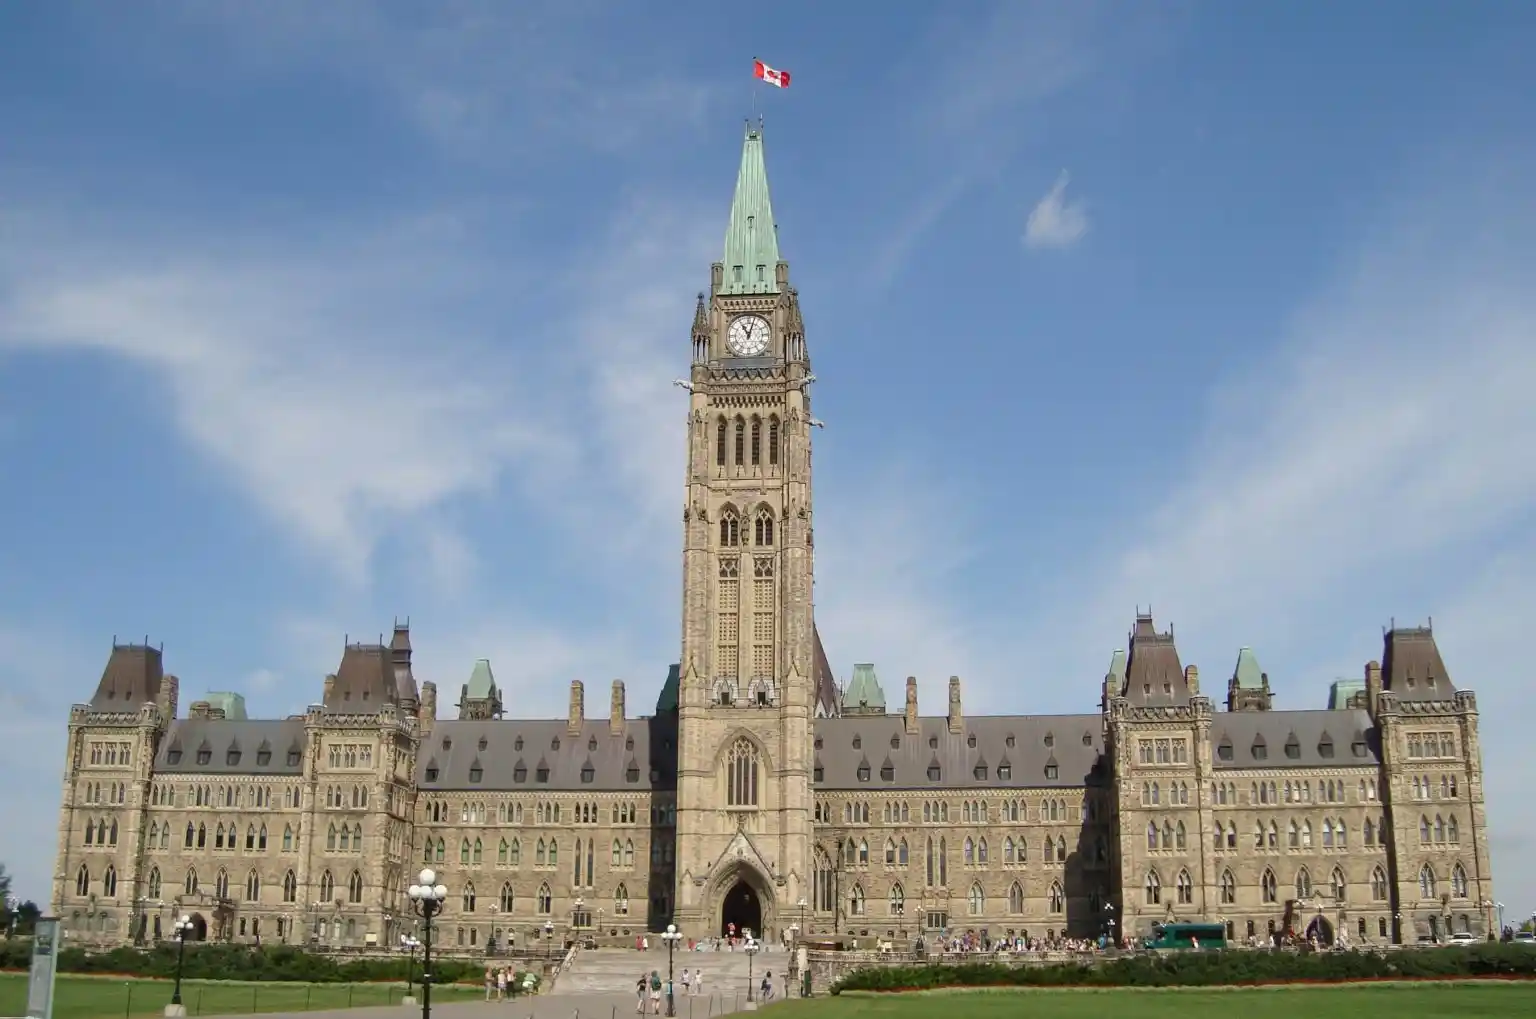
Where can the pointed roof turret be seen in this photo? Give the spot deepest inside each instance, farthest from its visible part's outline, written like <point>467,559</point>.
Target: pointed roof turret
<point>752,238</point>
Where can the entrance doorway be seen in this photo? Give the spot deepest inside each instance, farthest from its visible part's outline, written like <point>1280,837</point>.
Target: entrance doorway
<point>1322,930</point>
<point>742,908</point>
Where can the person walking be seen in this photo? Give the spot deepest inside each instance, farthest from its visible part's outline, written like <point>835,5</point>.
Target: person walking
<point>640,995</point>
<point>655,993</point>
<point>687,982</point>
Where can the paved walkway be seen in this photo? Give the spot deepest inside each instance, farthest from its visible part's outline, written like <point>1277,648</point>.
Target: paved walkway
<point>541,1006</point>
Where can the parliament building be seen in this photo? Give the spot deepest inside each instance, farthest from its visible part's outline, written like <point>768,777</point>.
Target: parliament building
<point>759,790</point>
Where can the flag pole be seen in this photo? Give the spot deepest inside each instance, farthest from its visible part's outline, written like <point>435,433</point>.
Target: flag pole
<point>752,84</point>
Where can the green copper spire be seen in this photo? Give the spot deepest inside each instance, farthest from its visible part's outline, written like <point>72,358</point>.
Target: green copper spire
<point>751,241</point>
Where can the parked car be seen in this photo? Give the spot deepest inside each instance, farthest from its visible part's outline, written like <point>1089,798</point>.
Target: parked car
<point>1462,938</point>
<point>1527,938</point>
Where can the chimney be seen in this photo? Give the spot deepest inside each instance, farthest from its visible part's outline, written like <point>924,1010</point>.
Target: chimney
<point>616,709</point>
<point>1372,686</point>
<point>426,714</point>
<point>329,689</point>
<point>911,705</point>
<point>956,716</point>
<point>1192,680</point>
<point>578,710</point>
<point>170,690</point>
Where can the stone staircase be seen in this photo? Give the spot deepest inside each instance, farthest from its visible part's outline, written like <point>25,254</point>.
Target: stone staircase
<point>613,971</point>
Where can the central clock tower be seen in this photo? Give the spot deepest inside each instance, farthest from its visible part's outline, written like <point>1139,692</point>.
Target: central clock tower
<point>750,660</point>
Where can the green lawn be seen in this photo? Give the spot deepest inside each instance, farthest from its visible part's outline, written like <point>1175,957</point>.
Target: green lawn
<point>90,997</point>
<point>1397,1001</point>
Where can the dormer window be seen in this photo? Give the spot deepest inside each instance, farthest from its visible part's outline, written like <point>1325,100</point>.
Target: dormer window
<point>293,758</point>
<point>1009,742</point>
<point>232,758</point>
<point>173,756</point>
<point>818,742</point>
<point>933,743</point>
<point>1224,749</point>
<point>887,772</point>
<point>970,741</point>
<point>1050,740</point>
<point>933,773</point>
<point>476,774</point>
<point>632,774</point>
<point>1325,746</point>
<point>541,773</point>
<point>592,745</point>
<point>863,772</point>
<point>1051,772</point>
<point>736,273</point>
<point>979,772</point>
<point>204,756</point>
<point>431,773</point>
<point>818,774</point>
<point>1293,748</point>
<point>858,742</point>
<point>895,742</point>
<point>447,742</point>
<point>762,273</point>
<point>629,743</point>
<point>520,773</point>
<point>263,757</point>
<point>587,774</point>
<point>1359,748</point>
<point>1004,772</point>
<point>482,744</point>
<point>517,745</point>
<point>554,744</point>
<point>1260,749</point>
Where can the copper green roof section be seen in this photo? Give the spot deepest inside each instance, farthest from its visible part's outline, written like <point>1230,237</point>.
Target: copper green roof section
<point>1247,672</point>
<point>752,238</point>
<point>667,701</point>
<point>482,683</point>
<point>232,704</point>
<point>1117,672</point>
<point>1341,691</point>
<point>864,689</point>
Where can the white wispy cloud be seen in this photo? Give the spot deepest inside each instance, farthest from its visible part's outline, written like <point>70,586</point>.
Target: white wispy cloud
<point>321,380</point>
<point>1375,465</point>
<point>1056,221</point>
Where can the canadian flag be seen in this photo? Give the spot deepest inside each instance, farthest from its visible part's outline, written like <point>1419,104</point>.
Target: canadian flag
<point>773,76</point>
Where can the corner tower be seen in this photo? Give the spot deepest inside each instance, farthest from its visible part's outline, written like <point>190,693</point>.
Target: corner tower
<point>749,678</point>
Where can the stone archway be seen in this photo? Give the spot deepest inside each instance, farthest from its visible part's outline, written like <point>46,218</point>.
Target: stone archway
<point>740,895</point>
<point>1320,929</point>
<point>741,910</point>
<point>199,928</point>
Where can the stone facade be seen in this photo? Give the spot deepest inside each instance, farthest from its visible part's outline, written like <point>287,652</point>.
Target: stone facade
<point>756,794</point>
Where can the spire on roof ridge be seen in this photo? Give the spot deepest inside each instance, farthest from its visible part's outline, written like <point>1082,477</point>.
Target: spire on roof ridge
<point>751,239</point>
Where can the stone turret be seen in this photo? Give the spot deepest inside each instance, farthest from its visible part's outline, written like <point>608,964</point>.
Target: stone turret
<point>956,715</point>
<point>911,709</point>
<point>578,709</point>
<point>616,709</point>
<point>426,714</point>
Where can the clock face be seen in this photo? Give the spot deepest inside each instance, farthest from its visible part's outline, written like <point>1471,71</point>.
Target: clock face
<point>747,336</point>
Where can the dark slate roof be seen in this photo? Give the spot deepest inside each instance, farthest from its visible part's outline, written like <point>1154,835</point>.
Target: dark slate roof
<point>132,676</point>
<point>1076,763</point>
<point>365,680</point>
<point>1154,664</point>
<point>825,678</point>
<point>454,749</point>
<point>1411,666</point>
<point>1306,729</point>
<point>220,735</point>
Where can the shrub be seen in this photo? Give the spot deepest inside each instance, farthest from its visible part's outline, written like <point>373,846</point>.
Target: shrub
<point>242,962</point>
<point>1207,969</point>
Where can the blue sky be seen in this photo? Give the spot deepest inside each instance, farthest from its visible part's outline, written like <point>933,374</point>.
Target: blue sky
<point>315,315</point>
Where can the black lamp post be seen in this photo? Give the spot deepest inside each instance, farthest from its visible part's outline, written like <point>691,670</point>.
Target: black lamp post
<point>751,949</point>
<point>427,898</point>
<point>182,928</point>
<point>410,944</point>
<point>671,936</point>
<point>549,943</point>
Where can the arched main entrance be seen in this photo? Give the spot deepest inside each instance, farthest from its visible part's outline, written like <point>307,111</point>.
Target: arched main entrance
<point>1322,930</point>
<point>743,908</point>
<point>199,928</point>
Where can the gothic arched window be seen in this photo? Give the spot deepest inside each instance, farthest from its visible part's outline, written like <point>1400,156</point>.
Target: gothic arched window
<point>83,880</point>
<point>1058,898</point>
<point>253,887</point>
<point>720,437</point>
<point>290,887</point>
<point>327,887</point>
<point>1268,889</point>
<point>546,901</point>
<point>1427,882</point>
<point>1015,898</point>
<point>741,774</point>
<point>1153,888</point>
<point>977,900</point>
<point>730,529</point>
<point>154,883</point>
<point>824,883</point>
<point>773,440</point>
<point>1228,888</point>
<point>1185,888</point>
<point>741,441</point>
<point>757,440</point>
<point>506,897</point>
<point>762,527</point>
